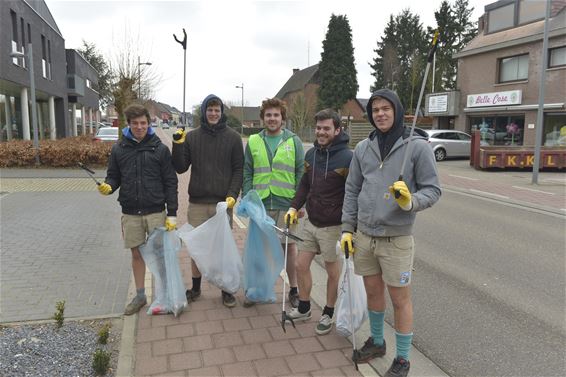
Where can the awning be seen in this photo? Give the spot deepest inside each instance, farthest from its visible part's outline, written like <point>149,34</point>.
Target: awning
<point>547,106</point>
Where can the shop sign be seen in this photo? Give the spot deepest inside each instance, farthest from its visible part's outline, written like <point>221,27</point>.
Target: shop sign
<point>438,104</point>
<point>512,97</point>
<point>522,160</point>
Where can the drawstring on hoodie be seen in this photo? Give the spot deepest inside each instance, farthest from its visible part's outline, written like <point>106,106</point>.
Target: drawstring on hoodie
<point>314,165</point>
<point>326,169</point>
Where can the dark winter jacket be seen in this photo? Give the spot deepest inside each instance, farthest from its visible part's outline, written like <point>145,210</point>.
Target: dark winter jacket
<point>144,173</point>
<point>322,185</point>
<point>216,155</point>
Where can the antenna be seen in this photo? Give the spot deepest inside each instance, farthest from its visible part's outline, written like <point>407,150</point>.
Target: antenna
<point>308,53</point>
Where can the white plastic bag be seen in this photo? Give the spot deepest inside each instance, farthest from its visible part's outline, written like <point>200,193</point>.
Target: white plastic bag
<point>359,314</point>
<point>159,253</point>
<point>213,248</point>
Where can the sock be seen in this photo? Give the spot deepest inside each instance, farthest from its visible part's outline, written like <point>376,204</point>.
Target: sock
<point>294,290</point>
<point>304,306</point>
<point>140,293</point>
<point>196,284</point>
<point>403,342</point>
<point>376,325</point>
<point>328,311</point>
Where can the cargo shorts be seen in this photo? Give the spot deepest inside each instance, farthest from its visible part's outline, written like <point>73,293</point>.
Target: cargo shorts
<point>279,217</point>
<point>136,228</point>
<point>321,241</point>
<point>199,213</point>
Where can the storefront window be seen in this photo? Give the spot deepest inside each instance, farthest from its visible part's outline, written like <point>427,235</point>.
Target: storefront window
<point>499,130</point>
<point>554,134</point>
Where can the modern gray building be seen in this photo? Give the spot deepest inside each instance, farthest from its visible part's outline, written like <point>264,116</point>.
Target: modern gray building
<point>58,75</point>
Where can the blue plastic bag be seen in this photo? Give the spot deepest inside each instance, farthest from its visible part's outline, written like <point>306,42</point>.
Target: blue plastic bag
<point>159,253</point>
<point>263,257</point>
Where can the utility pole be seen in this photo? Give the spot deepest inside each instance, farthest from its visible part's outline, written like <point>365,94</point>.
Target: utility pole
<point>242,87</point>
<point>139,76</point>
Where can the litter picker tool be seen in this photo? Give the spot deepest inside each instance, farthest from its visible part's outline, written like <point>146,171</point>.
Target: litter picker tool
<point>355,353</point>
<point>88,171</point>
<point>284,316</point>
<point>285,232</point>
<point>408,149</point>
<point>184,44</point>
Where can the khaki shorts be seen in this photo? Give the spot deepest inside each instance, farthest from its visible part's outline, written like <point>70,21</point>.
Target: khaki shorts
<point>320,240</point>
<point>136,228</point>
<point>279,217</point>
<point>198,213</point>
<point>390,257</point>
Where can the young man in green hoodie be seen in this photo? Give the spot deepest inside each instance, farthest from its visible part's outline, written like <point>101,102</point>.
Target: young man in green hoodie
<point>273,166</point>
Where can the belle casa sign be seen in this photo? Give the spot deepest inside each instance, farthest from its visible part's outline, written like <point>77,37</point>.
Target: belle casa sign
<point>512,97</point>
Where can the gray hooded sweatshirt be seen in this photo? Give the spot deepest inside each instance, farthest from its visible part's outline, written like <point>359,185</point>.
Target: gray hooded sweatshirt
<point>368,205</point>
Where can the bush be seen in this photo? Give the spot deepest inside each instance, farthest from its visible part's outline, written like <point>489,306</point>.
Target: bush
<point>55,153</point>
<point>100,362</point>
<point>59,315</point>
<point>103,334</point>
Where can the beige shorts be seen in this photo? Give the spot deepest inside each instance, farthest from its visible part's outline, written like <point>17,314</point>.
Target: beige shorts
<point>279,217</point>
<point>390,257</point>
<point>198,213</point>
<point>319,240</point>
<point>136,228</point>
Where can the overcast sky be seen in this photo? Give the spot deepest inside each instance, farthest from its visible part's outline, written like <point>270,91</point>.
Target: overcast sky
<point>257,43</point>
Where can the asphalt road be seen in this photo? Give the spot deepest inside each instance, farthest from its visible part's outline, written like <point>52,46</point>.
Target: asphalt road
<point>489,288</point>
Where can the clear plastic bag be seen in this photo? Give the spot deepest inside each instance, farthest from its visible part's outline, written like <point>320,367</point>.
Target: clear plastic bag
<point>263,257</point>
<point>213,248</point>
<point>359,313</point>
<point>159,253</point>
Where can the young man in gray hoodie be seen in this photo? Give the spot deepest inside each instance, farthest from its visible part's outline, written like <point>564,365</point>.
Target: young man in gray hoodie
<point>383,223</point>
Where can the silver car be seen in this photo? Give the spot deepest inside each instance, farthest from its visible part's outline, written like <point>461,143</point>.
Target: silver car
<point>109,134</point>
<point>449,143</point>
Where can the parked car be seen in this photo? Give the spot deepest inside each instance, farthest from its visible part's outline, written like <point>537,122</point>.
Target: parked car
<point>449,143</point>
<point>108,134</point>
<point>165,126</point>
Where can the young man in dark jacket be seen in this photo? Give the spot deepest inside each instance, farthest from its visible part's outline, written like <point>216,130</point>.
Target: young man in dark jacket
<point>140,165</point>
<point>216,154</point>
<point>322,189</point>
<point>383,221</point>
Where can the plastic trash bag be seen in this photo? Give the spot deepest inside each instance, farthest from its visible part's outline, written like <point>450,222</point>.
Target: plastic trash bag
<point>159,253</point>
<point>263,256</point>
<point>213,248</point>
<point>359,314</point>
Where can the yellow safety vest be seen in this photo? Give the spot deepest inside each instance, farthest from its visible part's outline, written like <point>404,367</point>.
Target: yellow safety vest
<point>278,178</point>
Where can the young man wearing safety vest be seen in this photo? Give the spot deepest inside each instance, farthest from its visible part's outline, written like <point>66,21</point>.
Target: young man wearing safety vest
<point>273,166</point>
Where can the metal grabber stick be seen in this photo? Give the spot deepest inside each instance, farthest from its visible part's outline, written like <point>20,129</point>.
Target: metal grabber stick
<point>88,171</point>
<point>284,316</point>
<point>184,44</point>
<point>408,149</point>
<point>355,354</point>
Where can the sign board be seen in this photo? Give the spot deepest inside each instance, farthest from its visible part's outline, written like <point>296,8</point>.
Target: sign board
<point>438,104</point>
<point>512,97</point>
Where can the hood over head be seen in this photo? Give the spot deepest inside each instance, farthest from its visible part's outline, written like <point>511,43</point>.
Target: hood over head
<point>204,123</point>
<point>386,140</point>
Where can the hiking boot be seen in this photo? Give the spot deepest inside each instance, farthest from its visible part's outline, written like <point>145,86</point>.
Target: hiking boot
<point>228,299</point>
<point>399,368</point>
<point>296,315</point>
<point>294,299</point>
<point>248,303</point>
<point>324,325</point>
<point>135,306</point>
<point>192,295</point>
<point>370,351</point>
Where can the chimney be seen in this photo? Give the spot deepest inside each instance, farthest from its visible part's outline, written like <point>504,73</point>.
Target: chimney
<point>481,25</point>
<point>295,70</point>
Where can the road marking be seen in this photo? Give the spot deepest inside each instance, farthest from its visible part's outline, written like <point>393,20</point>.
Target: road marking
<point>489,193</point>
<point>239,222</point>
<point>530,189</point>
<point>468,178</point>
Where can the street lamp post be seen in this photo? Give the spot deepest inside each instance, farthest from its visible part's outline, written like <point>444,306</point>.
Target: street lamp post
<point>139,76</point>
<point>242,87</point>
<point>33,101</point>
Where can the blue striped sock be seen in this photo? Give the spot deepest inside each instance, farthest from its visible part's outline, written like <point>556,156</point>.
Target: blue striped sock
<point>376,326</point>
<point>403,342</point>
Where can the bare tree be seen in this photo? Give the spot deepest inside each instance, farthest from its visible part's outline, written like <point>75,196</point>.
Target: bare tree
<point>300,112</point>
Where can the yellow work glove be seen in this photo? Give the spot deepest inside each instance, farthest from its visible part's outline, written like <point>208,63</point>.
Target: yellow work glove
<point>404,199</point>
<point>105,189</point>
<point>230,201</point>
<point>346,239</point>
<point>179,136</point>
<point>291,217</point>
<point>171,223</point>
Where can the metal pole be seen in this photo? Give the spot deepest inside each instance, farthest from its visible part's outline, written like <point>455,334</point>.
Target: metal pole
<point>433,70</point>
<point>139,78</point>
<point>184,44</point>
<point>540,116</point>
<point>242,109</point>
<point>33,104</point>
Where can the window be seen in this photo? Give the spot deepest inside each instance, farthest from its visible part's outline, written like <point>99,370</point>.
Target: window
<point>88,83</point>
<point>557,57</point>
<point>499,130</point>
<point>531,10</point>
<point>501,18</point>
<point>14,26</point>
<point>554,134</point>
<point>29,33</point>
<point>514,68</point>
<point>23,27</point>
<point>45,57</point>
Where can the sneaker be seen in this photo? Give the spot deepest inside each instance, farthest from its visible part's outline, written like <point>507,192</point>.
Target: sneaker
<point>370,351</point>
<point>248,303</point>
<point>228,299</point>
<point>294,299</point>
<point>399,368</point>
<point>296,315</point>
<point>324,325</point>
<point>135,306</point>
<point>192,295</point>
